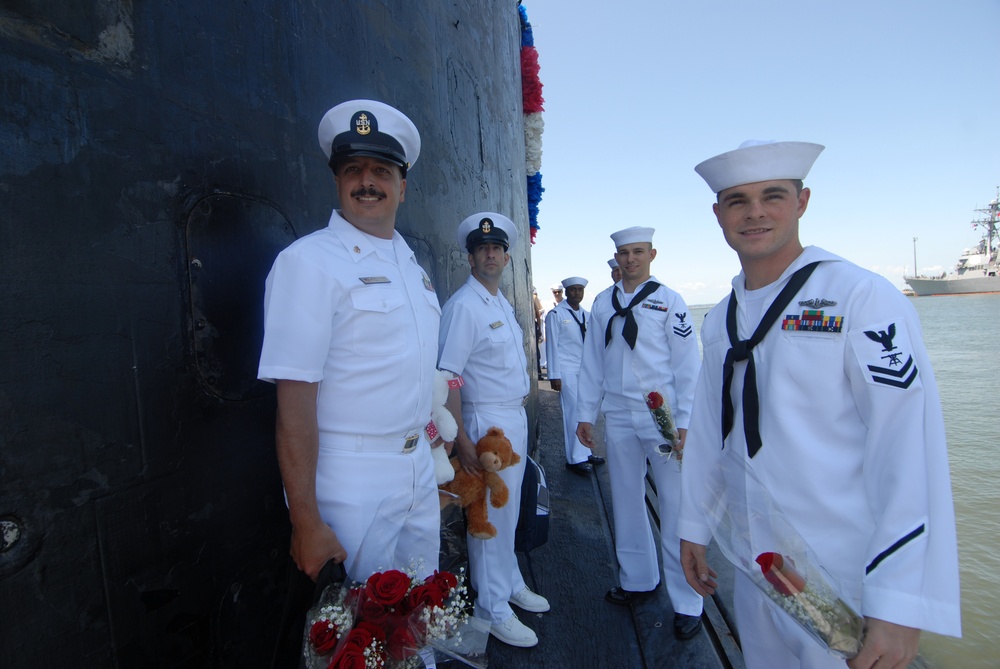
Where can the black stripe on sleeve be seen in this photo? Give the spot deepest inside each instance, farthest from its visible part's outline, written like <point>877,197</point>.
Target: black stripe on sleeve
<point>893,548</point>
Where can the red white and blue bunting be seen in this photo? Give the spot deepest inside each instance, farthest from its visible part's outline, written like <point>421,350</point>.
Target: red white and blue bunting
<point>531,94</point>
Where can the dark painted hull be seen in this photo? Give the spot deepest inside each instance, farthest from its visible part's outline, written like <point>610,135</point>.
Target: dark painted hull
<point>156,156</point>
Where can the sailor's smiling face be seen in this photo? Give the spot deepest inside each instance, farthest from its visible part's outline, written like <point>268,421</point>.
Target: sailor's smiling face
<point>634,260</point>
<point>369,189</point>
<point>760,221</point>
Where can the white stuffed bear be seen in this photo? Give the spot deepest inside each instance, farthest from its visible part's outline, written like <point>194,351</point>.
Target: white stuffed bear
<point>442,425</point>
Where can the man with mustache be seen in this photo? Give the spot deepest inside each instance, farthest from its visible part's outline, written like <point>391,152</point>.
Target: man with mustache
<point>640,340</point>
<point>351,320</point>
<point>482,341</point>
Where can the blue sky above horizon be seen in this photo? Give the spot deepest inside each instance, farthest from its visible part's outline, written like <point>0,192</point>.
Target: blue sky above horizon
<point>903,95</point>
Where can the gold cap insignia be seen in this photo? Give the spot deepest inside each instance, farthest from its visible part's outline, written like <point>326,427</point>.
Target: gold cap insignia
<point>362,124</point>
<point>485,225</point>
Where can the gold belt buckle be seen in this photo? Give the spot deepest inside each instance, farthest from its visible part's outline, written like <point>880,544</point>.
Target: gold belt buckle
<point>410,443</point>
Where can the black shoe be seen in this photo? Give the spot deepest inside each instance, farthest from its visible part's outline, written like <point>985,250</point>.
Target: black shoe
<point>620,596</point>
<point>686,627</point>
<point>595,460</point>
<point>581,468</point>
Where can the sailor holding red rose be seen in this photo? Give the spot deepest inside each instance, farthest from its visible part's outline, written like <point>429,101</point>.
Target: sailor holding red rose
<point>815,377</point>
<point>640,332</point>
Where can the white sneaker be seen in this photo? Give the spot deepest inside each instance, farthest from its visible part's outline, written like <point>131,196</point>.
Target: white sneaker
<point>514,633</point>
<point>526,600</point>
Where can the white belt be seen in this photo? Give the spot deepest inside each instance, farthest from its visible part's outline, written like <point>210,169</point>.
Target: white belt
<point>363,443</point>
<point>510,403</point>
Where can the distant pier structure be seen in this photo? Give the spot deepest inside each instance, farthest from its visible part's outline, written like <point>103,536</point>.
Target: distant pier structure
<point>155,158</point>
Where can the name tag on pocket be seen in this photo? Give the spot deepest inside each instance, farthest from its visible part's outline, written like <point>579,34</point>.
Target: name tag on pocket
<point>496,324</point>
<point>369,280</point>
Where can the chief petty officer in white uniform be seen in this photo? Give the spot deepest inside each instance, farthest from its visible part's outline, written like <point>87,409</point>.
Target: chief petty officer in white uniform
<point>640,335</point>
<point>481,341</point>
<point>847,438</point>
<point>566,326</point>
<point>351,320</point>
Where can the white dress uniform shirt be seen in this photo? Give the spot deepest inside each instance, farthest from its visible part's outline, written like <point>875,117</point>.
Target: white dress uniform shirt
<point>665,357</point>
<point>359,316</point>
<point>481,340</point>
<point>564,346</point>
<point>853,448</point>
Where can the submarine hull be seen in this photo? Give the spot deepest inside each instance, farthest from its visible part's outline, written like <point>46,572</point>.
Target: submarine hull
<point>157,156</point>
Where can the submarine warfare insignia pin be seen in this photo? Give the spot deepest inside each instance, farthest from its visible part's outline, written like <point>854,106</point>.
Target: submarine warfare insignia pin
<point>683,329</point>
<point>817,303</point>
<point>889,362</point>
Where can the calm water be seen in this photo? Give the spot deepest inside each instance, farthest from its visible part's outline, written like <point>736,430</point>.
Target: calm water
<point>962,334</point>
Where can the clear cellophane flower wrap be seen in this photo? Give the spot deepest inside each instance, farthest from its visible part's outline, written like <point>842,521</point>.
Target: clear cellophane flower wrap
<point>755,535</point>
<point>659,408</point>
<point>391,614</point>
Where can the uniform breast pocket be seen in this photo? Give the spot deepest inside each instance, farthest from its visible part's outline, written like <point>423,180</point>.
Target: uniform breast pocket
<point>379,322</point>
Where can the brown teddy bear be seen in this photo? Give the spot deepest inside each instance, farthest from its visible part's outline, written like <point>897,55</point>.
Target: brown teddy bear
<point>495,453</point>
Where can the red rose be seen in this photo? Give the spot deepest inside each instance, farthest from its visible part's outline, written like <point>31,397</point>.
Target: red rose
<point>444,580</point>
<point>377,631</point>
<point>348,658</point>
<point>323,636</point>
<point>402,643</point>
<point>782,576</point>
<point>359,637</point>
<point>372,612</point>
<point>387,588</point>
<point>654,401</point>
<point>424,595</point>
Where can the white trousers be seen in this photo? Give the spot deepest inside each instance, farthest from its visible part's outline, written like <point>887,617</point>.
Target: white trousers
<point>492,564</point>
<point>632,438</point>
<point>383,506</point>
<point>770,638</point>
<point>576,452</point>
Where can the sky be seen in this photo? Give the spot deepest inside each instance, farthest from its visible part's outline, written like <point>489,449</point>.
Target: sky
<point>904,95</point>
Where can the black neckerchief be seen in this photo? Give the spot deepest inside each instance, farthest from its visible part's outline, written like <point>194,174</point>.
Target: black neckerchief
<point>630,330</point>
<point>743,350</point>
<point>582,323</point>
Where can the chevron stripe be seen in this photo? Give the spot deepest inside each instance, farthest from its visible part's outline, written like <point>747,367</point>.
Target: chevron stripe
<point>898,373</point>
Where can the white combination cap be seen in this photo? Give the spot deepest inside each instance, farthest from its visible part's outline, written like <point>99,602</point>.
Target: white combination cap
<point>486,227</point>
<point>757,160</point>
<point>574,281</point>
<point>369,128</point>
<point>612,263</point>
<point>633,235</point>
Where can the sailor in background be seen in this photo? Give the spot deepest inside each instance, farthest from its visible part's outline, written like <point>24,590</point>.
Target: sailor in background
<point>349,319</point>
<point>557,294</point>
<point>482,341</point>
<point>840,423</point>
<point>616,271</point>
<point>566,326</point>
<point>640,338</point>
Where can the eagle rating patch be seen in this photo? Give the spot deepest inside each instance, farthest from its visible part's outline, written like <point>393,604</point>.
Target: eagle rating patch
<point>885,355</point>
<point>682,329</point>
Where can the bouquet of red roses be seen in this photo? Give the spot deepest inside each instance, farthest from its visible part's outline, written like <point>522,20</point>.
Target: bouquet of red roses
<point>386,621</point>
<point>397,618</point>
